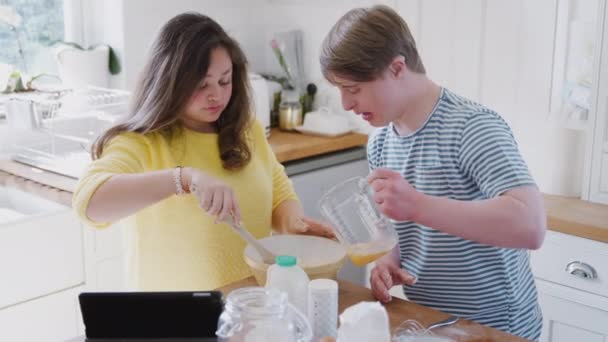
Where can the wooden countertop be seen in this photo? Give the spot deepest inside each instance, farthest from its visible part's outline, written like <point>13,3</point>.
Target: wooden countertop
<point>576,217</point>
<point>564,214</point>
<point>17,175</point>
<point>294,146</point>
<point>37,175</point>
<point>400,310</point>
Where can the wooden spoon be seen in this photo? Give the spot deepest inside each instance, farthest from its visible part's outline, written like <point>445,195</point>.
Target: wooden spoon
<point>267,256</point>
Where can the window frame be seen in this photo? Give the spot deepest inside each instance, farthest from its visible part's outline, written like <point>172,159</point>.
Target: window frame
<point>74,13</point>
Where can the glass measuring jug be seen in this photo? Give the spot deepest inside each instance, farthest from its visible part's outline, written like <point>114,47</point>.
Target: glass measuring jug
<point>359,224</point>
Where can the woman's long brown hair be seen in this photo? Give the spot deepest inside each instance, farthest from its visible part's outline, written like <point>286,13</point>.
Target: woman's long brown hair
<point>178,60</point>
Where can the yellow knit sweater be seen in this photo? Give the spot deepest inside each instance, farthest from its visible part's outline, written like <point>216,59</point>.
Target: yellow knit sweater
<point>173,244</point>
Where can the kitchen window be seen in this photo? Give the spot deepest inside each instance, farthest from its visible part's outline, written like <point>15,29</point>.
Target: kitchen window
<point>42,23</point>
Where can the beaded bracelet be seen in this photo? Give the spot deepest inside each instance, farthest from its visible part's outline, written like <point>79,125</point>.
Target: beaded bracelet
<point>177,178</point>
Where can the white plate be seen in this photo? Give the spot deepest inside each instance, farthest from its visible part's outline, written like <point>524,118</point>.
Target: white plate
<point>334,133</point>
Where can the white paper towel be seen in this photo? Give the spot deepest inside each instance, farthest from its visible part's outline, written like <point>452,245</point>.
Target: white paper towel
<point>329,96</point>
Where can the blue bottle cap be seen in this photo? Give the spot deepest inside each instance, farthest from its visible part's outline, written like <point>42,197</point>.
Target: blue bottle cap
<point>286,260</point>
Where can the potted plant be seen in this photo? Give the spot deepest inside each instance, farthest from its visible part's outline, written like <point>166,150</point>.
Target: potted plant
<point>15,80</point>
<point>79,66</point>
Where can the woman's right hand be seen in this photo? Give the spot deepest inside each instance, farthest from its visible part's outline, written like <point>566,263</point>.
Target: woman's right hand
<point>215,197</point>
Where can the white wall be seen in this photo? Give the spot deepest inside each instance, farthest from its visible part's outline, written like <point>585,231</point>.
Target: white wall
<point>239,18</point>
<point>129,26</point>
<point>496,52</point>
<point>104,22</point>
<point>315,18</point>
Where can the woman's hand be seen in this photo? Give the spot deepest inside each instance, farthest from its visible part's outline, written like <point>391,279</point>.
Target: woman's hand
<point>317,228</point>
<point>308,226</point>
<point>288,218</point>
<point>215,197</point>
<point>395,196</point>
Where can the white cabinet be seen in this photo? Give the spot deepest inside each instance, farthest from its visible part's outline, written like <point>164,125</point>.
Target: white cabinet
<point>105,258</point>
<point>313,183</point>
<point>596,181</point>
<point>572,315</point>
<point>46,259</point>
<point>53,318</point>
<point>40,256</point>
<point>42,268</point>
<point>572,280</point>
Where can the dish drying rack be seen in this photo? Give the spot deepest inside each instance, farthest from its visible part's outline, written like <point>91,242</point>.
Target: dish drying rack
<point>32,110</point>
<point>63,125</point>
<point>110,101</point>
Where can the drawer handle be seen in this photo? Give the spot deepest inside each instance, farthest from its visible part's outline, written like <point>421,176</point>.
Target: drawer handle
<point>581,269</point>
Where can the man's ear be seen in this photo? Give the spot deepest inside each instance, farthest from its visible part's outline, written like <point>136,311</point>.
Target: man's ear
<point>397,67</point>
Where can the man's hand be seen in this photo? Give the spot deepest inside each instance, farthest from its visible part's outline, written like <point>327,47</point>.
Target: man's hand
<point>396,198</point>
<point>386,275</point>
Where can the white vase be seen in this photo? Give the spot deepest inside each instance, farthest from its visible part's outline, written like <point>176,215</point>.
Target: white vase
<point>81,68</point>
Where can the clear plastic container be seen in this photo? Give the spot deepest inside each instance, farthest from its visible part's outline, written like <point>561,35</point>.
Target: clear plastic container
<point>285,275</point>
<point>323,307</point>
<point>351,210</point>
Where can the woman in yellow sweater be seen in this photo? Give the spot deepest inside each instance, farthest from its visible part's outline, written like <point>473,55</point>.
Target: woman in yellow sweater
<point>189,143</point>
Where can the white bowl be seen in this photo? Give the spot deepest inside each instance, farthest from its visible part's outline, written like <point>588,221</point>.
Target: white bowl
<point>319,257</point>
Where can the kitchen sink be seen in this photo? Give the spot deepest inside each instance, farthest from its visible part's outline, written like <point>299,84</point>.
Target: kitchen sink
<point>17,205</point>
<point>82,128</point>
<point>63,145</point>
<point>56,154</point>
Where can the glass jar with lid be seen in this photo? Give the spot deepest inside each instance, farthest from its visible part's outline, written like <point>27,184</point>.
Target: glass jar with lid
<point>290,110</point>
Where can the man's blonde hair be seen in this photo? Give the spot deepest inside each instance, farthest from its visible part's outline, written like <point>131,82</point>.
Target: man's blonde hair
<point>363,43</point>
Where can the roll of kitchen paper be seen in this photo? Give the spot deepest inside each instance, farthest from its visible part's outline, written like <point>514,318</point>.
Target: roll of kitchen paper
<point>323,307</point>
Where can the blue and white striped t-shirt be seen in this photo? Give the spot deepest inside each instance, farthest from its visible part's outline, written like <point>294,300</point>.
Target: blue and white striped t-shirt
<point>464,151</point>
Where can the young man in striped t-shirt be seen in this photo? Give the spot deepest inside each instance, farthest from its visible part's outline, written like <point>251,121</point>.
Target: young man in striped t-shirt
<point>448,172</point>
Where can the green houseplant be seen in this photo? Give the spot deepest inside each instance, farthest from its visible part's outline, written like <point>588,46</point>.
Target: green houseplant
<point>15,81</point>
<point>18,82</point>
<point>113,61</point>
<point>80,66</point>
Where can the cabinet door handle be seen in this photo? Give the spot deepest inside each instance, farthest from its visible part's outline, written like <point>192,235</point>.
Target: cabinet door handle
<point>581,269</point>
